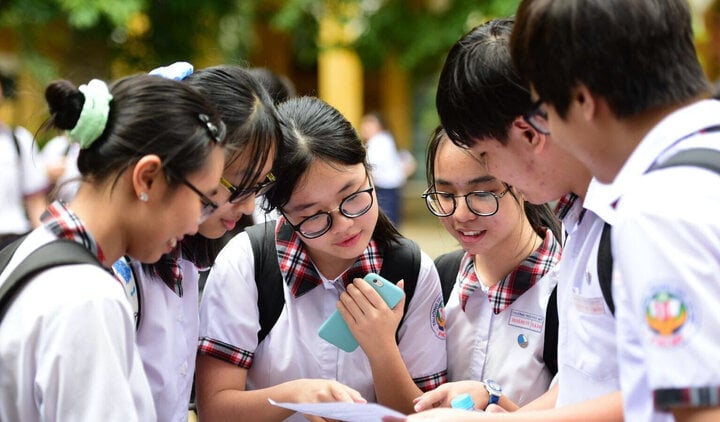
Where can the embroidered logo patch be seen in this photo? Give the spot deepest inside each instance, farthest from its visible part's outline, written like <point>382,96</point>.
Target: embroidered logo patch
<point>437,318</point>
<point>669,316</point>
<point>526,320</point>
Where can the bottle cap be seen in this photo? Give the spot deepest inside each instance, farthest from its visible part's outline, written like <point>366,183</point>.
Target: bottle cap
<point>462,401</point>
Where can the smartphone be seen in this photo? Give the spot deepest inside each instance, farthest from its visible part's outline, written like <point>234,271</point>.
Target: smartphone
<point>335,330</point>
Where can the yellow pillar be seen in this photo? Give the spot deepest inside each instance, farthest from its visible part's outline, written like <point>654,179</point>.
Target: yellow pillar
<point>340,73</point>
<point>396,103</point>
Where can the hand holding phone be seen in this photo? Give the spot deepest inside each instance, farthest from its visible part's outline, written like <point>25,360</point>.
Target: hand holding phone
<point>336,331</point>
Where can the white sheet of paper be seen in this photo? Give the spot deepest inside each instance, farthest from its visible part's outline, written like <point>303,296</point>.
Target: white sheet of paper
<point>350,412</point>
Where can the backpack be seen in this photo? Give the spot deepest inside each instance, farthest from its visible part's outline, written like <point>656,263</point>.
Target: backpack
<point>448,266</point>
<point>400,261</point>
<point>706,158</point>
<point>53,254</point>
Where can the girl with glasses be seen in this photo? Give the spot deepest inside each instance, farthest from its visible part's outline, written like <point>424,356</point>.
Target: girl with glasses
<point>330,234</point>
<point>67,341</point>
<point>168,290</point>
<point>502,280</point>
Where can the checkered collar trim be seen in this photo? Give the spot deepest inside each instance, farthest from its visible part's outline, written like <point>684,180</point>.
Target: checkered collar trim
<point>300,273</point>
<point>520,280</point>
<point>65,224</point>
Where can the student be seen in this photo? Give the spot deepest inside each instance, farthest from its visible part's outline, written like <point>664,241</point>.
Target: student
<point>150,161</point>
<point>168,289</point>
<point>496,313</point>
<point>23,183</point>
<point>330,234</point>
<point>643,99</point>
<point>588,382</point>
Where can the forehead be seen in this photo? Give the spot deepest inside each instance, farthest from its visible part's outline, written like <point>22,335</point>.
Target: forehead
<point>323,182</point>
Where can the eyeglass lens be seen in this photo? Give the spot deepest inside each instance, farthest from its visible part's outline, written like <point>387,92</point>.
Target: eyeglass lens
<point>480,203</point>
<point>352,206</point>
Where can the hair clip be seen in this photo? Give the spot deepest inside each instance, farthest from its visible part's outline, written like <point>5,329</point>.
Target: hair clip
<point>218,134</point>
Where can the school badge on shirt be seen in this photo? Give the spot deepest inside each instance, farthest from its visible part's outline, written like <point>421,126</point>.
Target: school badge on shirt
<point>437,318</point>
<point>670,316</point>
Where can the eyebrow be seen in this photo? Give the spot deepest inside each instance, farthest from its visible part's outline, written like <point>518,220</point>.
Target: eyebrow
<point>476,181</point>
<point>303,207</point>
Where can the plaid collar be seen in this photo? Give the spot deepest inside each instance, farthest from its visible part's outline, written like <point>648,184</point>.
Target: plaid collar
<point>298,269</point>
<point>175,276</point>
<point>520,280</point>
<point>65,224</point>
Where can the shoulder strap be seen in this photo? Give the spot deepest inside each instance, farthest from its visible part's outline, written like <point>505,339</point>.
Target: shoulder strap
<point>448,266</point>
<point>267,276</point>
<point>56,253</point>
<point>605,267</point>
<point>401,260</point>
<point>551,333</point>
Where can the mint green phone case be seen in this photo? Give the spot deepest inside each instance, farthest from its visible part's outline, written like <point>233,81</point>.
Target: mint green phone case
<point>335,330</point>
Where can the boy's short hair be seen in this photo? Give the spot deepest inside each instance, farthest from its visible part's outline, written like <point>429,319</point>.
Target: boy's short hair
<point>637,54</point>
<point>480,93</point>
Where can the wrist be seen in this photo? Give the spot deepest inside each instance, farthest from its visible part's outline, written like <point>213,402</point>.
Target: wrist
<point>494,391</point>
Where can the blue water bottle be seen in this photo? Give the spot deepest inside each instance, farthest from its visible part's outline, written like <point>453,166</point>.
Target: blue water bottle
<point>462,402</point>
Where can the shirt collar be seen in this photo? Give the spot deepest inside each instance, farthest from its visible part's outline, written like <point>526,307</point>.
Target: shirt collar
<point>520,280</point>
<point>300,273</point>
<point>65,224</point>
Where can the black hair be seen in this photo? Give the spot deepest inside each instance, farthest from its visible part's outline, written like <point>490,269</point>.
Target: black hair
<point>313,130</point>
<point>540,217</point>
<point>252,133</point>
<point>148,115</point>
<point>638,55</point>
<point>479,92</point>
<point>278,86</point>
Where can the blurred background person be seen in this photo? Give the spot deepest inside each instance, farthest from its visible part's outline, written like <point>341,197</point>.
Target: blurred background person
<point>59,156</point>
<point>386,164</point>
<point>23,183</point>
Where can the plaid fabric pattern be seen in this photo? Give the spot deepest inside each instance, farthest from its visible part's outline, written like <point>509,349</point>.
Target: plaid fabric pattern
<point>668,398</point>
<point>226,352</point>
<point>299,271</point>
<point>520,280</point>
<point>565,204</point>
<point>64,224</point>
<point>172,260</point>
<point>431,382</point>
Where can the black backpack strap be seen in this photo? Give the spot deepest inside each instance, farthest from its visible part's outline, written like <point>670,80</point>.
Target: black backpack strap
<point>268,278</point>
<point>448,266</point>
<point>56,253</point>
<point>551,333</point>
<point>605,267</point>
<point>401,260</point>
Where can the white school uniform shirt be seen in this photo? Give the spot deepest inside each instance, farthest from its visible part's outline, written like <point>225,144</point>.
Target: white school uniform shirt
<point>18,178</point>
<point>167,338</point>
<point>67,347</point>
<point>60,148</point>
<point>666,283</point>
<point>385,161</point>
<point>587,352</point>
<point>507,347</point>
<point>293,349</point>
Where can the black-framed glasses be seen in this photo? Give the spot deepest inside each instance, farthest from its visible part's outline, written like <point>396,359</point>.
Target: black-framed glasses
<point>208,205</point>
<point>537,117</point>
<point>238,195</point>
<point>481,203</point>
<point>352,206</point>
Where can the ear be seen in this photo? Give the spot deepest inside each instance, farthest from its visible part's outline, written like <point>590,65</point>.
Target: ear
<point>585,100</point>
<point>527,134</point>
<point>145,174</point>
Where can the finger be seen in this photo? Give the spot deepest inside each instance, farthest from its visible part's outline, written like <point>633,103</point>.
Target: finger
<point>351,304</point>
<point>494,408</point>
<point>369,294</point>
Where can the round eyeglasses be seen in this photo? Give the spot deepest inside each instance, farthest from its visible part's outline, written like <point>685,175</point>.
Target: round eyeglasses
<point>480,203</point>
<point>352,206</point>
<point>238,195</point>
<point>537,117</point>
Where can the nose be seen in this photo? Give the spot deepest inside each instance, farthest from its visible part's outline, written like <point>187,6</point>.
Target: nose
<point>340,222</point>
<point>462,211</point>
<point>247,205</point>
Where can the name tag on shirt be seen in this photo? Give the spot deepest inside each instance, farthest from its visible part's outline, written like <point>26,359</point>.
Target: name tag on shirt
<point>526,320</point>
<point>589,305</point>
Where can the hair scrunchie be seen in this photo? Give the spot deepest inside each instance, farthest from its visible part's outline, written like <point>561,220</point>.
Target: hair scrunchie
<point>176,71</point>
<point>94,114</point>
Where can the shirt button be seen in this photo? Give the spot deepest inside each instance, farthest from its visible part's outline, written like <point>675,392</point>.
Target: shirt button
<point>183,368</point>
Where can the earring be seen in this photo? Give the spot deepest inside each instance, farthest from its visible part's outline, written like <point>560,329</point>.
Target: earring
<point>143,196</point>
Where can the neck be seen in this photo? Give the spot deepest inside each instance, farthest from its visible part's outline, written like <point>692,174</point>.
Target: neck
<point>493,267</point>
